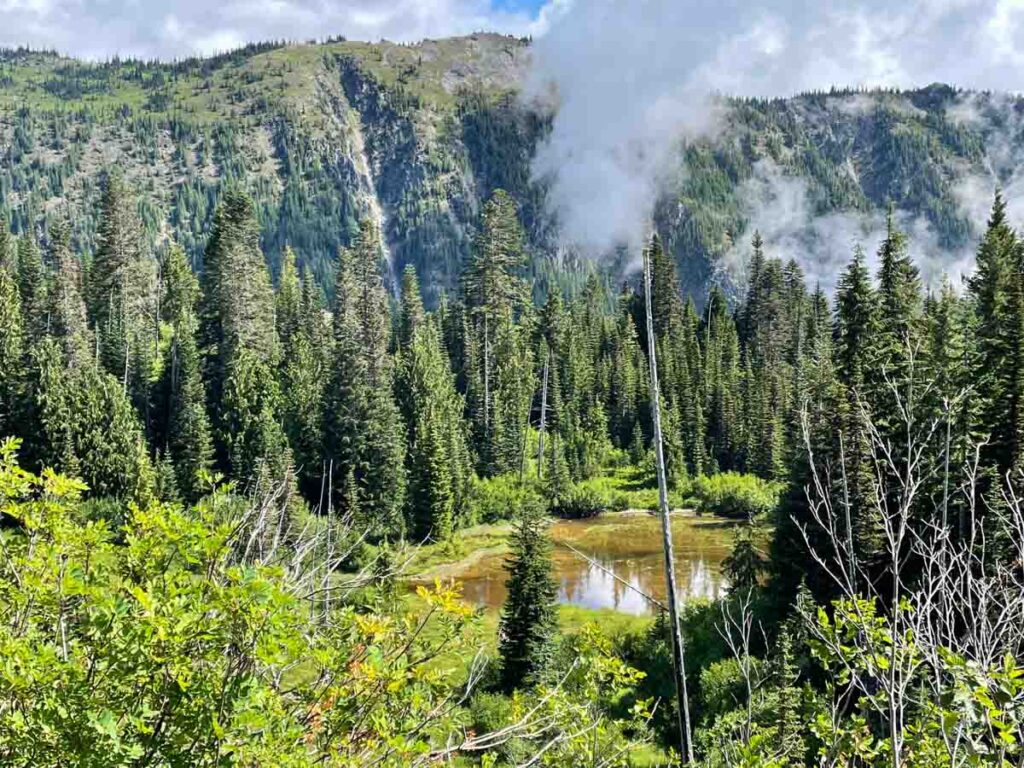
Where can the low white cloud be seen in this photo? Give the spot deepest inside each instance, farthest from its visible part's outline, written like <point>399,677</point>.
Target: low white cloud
<point>999,119</point>
<point>100,29</point>
<point>633,78</point>
<point>780,207</point>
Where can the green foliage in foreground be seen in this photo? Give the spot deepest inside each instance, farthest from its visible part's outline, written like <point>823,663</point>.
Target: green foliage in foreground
<point>176,645</point>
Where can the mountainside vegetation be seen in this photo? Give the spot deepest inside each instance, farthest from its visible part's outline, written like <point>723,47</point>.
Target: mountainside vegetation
<point>417,137</point>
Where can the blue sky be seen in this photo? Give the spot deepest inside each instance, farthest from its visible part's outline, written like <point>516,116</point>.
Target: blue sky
<point>530,6</point>
<point>99,29</point>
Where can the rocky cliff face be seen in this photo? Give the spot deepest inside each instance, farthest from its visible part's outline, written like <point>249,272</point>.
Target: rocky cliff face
<point>418,136</point>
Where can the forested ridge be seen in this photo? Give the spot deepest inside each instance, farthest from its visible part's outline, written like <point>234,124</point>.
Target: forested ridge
<point>213,485</point>
<point>417,137</point>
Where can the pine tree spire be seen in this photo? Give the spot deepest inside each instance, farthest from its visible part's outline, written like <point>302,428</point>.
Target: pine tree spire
<point>528,618</point>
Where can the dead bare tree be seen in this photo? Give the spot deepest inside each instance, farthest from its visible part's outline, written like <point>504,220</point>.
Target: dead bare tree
<point>938,593</point>
<point>678,648</point>
<point>737,630</point>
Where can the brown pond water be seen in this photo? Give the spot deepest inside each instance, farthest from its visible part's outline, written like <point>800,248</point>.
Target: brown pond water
<point>626,544</point>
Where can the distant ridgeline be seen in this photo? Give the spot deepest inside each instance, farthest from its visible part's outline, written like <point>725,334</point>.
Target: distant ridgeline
<point>417,136</point>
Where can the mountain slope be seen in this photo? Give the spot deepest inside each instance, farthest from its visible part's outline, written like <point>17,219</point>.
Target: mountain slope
<point>418,135</point>
<point>321,135</point>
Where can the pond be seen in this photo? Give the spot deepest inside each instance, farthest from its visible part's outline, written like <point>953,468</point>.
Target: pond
<point>627,545</point>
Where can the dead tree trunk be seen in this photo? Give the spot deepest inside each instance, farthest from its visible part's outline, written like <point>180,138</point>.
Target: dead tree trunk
<point>678,650</point>
<point>543,418</point>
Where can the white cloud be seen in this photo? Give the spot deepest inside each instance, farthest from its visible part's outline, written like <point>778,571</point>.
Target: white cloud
<point>634,77</point>
<point>99,29</point>
<point>779,206</point>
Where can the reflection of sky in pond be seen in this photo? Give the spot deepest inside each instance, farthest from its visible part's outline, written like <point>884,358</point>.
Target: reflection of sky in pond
<point>698,569</point>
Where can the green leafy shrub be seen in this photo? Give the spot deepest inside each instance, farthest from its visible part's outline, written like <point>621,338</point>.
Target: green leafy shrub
<point>493,499</point>
<point>722,687</point>
<point>580,503</point>
<point>180,646</point>
<point>490,711</point>
<point>731,494</point>
<point>631,487</point>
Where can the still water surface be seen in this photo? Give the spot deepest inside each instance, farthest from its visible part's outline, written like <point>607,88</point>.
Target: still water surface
<point>628,545</point>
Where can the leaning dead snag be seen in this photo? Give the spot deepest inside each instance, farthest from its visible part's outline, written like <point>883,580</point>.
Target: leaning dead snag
<point>678,650</point>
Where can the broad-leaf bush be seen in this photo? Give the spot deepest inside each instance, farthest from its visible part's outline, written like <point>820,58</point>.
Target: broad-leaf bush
<point>580,503</point>
<point>186,639</point>
<point>731,494</point>
<point>172,649</point>
<point>493,499</point>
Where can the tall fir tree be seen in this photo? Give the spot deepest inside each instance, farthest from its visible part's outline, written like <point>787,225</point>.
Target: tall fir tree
<point>411,313</point>
<point>494,348</point>
<point>995,289</point>
<point>897,356</point>
<point>183,427</point>
<point>288,300</point>
<point>948,401</point>
<point>236,307</point>
<point>362,430</point>
<point>856,334</point>
<point>722,386</point>
<point>79,419</point>
<point>12,341</point>
<point>66,317</point>
<point>437,458</point>
<point>238,345</point>
<point>32,288</point>
<point>306,350</point>
<point>528,618</point>
<point>627,396</point>
<point>121,294</point>
<point>8,262</point>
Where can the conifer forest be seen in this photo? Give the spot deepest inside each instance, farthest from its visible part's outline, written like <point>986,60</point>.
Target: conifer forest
<point>323,444</point>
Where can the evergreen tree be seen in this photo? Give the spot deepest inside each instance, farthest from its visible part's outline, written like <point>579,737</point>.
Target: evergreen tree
<point>11,343</point>
<point>305,354</point>
<point>66,317</point>
<point>814,411</point>
<point>121,294</point>
<point>362,425</point>
<point>579,351</point>
<point>722,385</point>
<point>411,313</point>
<point>857,331</point>
<point>528,618</point>
<point>236,309</point>
<point>255,444</point>
<point>897,346</point>
<point>238,342</point>
<point>31,278</point>
<point>494,349</point>
<point>87,427</point>
<point>288,301</point>
<point>627,396</point>
<point>183,427</point>
<point>788,733</point>
<point>680,365</point>
<point>744,564</point>
<point>947,353</point>
<point>512,391</point>
<point>7,261</point>
<point>437,458</point>
<point>994,289</point>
